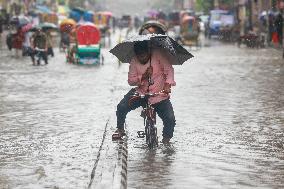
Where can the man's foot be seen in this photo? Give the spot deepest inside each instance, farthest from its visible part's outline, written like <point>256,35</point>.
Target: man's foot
<point>118,134</point>
<point>166,140</point>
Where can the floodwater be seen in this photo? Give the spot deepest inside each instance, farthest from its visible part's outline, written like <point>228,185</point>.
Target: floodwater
<point>228,103</point>
<point>229,106</point>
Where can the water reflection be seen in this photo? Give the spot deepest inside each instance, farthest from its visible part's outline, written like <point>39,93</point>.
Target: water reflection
<point>154,167</point>
<point>229,131</point>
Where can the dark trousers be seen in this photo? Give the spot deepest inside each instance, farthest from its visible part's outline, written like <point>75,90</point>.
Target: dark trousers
<point>50,51</point>
<point>164,110</point>
<point>41,54</point>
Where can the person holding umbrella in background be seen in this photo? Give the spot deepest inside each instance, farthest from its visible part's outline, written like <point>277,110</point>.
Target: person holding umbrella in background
<point>39,45</point>
<point>48,28</point>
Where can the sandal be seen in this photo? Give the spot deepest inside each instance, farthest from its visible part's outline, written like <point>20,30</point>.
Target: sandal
<point>118,134</point>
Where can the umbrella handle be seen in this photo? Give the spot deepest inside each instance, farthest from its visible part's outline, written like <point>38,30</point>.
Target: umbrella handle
<point>150,81</point>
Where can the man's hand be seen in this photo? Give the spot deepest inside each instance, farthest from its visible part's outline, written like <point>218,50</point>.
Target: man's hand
<point>147,73</point>
<point>167,88</point>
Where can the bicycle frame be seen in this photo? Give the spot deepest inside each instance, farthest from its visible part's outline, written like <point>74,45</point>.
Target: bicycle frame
<point>149,115</point>
<point>150,128</point>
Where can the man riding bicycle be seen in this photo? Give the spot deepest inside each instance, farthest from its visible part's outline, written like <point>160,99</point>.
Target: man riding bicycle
<point>161,73</point>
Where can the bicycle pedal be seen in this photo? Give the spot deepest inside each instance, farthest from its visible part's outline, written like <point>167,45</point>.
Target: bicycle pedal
<point>141,134</point>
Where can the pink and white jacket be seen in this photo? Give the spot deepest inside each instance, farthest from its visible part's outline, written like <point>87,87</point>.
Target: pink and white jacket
<point>163,72</point>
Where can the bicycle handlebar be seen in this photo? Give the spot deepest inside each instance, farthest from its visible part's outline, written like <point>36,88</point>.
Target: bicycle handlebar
<point>136,94</point>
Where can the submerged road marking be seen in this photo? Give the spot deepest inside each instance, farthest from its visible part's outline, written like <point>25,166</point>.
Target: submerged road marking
<point>98,156</point>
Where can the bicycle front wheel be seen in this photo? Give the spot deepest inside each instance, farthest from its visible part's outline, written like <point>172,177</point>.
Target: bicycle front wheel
<point>151,134</point>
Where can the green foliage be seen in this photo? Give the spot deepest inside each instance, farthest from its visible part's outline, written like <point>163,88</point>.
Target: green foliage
<point>227,2</point>
<point>207,5</point>
<point>61,2</point>
<point>204,5</point>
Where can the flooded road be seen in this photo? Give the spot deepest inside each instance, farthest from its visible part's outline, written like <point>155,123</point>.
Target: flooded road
<point>230,124</point>
<point>228,103</point>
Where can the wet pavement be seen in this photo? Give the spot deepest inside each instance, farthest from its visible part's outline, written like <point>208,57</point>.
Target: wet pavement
<point>56,123</point>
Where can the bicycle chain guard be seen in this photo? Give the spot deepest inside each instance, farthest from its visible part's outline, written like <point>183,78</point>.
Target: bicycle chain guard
<point>141,134</point>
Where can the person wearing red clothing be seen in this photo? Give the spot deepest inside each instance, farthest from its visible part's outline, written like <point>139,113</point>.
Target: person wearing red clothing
<point>17,41</point>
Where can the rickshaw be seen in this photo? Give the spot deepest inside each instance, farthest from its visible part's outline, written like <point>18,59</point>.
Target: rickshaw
<point>87,50</point>
<point>189,33</point>
<point>103,21</point>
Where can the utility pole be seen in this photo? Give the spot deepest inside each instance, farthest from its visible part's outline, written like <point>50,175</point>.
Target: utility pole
<point>242,16</point>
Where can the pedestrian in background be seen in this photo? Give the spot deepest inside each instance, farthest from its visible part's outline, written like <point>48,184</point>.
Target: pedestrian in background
<point>271,28</point>
<point>1,29</point>
<point>27,48</point>
<point>39,45</point>
<point>49,43</point>
<point>279,27</point>
<point>64,40</point>
<point>17,41</point>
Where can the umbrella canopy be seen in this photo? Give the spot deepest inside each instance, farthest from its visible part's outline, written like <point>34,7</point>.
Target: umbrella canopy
<point>20,20</point>
<point>79,9</point>
<point>67,25</point>
<point>47,26</point>
<point>124,51</point>
<point>27,27</point>
<point>34,28</point>
<point>43,9</point>
<point>68,21</point>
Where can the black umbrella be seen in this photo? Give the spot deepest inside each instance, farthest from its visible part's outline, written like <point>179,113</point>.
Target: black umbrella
<point>124,51</point>
<point>46,26</point>
<point>34,28</point>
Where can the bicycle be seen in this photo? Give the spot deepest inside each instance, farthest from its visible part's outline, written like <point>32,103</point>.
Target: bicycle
<point>149,114</point>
